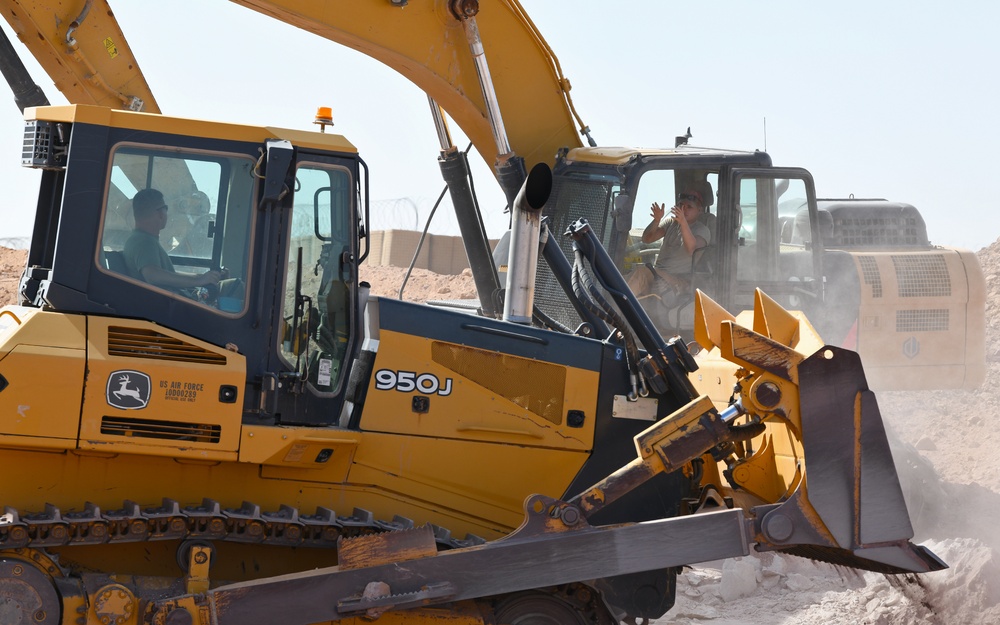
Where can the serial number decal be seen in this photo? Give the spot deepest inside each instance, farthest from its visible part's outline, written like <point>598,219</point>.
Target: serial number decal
<point>410,381</point>
<point>181,391</point>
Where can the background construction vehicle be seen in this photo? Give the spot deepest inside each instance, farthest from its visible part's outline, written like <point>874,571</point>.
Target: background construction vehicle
<point>238,436</point>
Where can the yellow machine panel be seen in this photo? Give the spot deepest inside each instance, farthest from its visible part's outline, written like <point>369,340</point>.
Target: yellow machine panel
<point>44,358</point>
<point>477,394</point>
<point>154,388</point>
<point>490,481</point>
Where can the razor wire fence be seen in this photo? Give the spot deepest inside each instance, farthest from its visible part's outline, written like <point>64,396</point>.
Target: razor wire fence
<point>410,213</point>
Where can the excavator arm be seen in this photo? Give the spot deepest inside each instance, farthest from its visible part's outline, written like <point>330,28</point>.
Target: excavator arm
<point>82,48</point>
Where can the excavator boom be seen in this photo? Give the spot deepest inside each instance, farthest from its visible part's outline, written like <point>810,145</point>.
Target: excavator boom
<point>426,43</point>
<point>82,48</point>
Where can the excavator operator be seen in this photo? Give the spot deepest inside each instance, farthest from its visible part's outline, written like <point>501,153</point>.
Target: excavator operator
<point>683,234</point>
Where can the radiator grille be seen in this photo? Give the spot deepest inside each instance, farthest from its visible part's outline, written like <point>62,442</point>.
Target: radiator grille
<point>145,343</point>
<point>924,275</point>
<point>169,430</point>
<point>869,271</point>
<point>533,385</point>
<point>922,320</point>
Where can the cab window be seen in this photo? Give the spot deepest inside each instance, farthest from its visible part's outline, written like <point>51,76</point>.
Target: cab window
<point>319,274</point>
<point>187,214</point>
<point>663,186</point>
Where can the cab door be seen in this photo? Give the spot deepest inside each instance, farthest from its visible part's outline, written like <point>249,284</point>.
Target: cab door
<point>771,231</point>
<point>315,328</point>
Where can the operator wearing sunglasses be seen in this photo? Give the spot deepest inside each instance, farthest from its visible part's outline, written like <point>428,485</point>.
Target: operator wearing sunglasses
<point>682,235</point>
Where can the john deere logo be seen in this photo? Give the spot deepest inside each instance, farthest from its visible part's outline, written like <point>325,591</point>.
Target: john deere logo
<point>911,347</point>
<point>128,390</point>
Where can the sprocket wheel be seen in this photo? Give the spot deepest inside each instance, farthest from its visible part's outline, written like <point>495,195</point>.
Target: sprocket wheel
<point>27,595</point>
<point>537,608</point>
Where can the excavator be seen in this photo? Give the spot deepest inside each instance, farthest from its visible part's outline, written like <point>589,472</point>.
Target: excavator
<point>284,447</point>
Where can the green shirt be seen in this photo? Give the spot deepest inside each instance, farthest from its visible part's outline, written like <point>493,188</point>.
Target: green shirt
<point>673,258</point>
<point>143,250</point>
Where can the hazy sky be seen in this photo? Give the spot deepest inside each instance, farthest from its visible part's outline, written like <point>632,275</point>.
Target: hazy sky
<point>878,99</point>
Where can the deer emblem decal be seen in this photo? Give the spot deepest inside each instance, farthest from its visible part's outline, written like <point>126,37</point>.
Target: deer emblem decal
<point>128,390</point>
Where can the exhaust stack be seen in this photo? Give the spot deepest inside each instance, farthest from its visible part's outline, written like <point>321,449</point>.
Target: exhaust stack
<point>524,244</point>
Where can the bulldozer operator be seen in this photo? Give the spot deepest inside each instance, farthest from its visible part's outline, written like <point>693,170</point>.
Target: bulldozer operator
<point>146,259</point>
<point>682,235</point>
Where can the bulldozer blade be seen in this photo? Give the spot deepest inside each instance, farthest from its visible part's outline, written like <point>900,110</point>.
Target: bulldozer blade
<point>773,321</point>
<point>708,319</point>
<point>555,545</point>
<point>851,480</point>
<point>849,508</point>
<point>374,549</point>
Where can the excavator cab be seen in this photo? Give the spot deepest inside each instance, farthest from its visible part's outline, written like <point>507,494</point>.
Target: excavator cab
<point>862,270</point>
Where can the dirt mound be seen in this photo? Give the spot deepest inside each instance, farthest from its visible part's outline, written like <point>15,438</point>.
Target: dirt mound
<point>11,266</point>
<point>422,285</point>
<point>989,258</point>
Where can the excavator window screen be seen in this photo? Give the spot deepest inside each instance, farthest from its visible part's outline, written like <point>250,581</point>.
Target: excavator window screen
<point>206,208</point>
<point>587,198</point>
<point>316,342</point>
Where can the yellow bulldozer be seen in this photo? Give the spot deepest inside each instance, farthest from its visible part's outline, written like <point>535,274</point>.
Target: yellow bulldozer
<point>255,439</point>
<point>284,448</point>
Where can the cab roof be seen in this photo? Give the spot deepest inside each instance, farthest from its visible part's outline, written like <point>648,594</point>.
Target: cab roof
<point>153,122</point>
<point>620,155</point>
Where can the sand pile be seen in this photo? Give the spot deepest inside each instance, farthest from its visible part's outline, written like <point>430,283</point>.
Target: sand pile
<point>11,266</point>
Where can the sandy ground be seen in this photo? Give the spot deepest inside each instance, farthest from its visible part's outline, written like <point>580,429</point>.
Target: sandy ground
<point>944,445</point>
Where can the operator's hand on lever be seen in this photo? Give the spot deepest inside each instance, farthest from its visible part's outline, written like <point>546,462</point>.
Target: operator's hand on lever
<point>212,276</point>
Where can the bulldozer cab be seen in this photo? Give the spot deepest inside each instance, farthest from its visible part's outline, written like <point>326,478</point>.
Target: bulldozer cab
<point>280,225</point>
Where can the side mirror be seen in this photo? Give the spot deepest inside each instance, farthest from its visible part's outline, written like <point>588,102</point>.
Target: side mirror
<point>277,168</point>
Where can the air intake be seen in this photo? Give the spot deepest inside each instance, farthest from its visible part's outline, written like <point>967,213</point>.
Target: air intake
<point>145,343</point>
<point>869,269</point>
<point>168,430</point>
<point>922,320</point>
<point>44,145</point>
<point>923,275</point>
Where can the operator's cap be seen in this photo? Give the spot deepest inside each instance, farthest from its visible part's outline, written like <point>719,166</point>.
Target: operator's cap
<point>702,189</point>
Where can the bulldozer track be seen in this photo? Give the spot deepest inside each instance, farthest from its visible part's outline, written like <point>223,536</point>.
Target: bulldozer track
<point>247,524</point>
<point>285,527</point>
